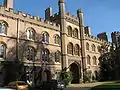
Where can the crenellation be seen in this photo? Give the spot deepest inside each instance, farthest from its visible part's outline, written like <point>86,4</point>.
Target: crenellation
<point>28,15</point>
<point>31,17</point>
<point>35,18</point>
<point>20,13</point>
<point>94,38</point>
<point>55,15</point>
<point>42,20</point>
<point>45,21</point>
<point>2,8</point>
<point>38,18</point>
<point>24,15</point>
<point>72,16</point>
<point>11,12</point>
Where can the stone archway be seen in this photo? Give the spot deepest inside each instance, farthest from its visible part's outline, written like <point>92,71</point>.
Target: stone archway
<point>74,68</point>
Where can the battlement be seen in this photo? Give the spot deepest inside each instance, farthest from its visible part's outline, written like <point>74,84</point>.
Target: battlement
<point>115,32</point>
<point>94,38</point>
<point>67,14</point>
<point>72,16</point>
<point>24,16</point>
<point>55,15</point>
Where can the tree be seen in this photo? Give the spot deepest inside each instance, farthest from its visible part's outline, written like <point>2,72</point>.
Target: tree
<point>13,71</point>
<point>87,76</point>
<point>66,76</point>
<point>109,63</point>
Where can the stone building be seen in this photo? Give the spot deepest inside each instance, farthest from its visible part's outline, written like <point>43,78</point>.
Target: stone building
<point>59,41</point>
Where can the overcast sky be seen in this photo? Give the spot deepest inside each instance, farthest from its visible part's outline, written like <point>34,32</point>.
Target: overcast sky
<point>100,15</point>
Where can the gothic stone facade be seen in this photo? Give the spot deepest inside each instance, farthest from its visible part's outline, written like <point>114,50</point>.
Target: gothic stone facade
<point>52,43</point>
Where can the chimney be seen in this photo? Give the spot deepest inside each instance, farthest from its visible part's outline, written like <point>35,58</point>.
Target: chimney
<point>48,13</point>
<point>87,30</point>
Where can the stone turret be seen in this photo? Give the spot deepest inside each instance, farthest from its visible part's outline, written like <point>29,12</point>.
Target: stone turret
<point>8,3</point>
<point>81,17</point>
<point>87,30</point>
<point>82,39</point>
<point>48,13</point>
<point>62,14</point>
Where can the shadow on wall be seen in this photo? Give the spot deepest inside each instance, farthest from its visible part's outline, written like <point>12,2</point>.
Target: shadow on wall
<point>13,66</point>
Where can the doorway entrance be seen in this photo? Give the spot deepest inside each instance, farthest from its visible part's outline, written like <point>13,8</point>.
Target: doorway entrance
<point>74,68</point>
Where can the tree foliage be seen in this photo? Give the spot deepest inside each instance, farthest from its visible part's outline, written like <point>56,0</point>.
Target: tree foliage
<point>13,71</point>
<point>109,64</point>
<point>87,76</point>
<point>66,76</point>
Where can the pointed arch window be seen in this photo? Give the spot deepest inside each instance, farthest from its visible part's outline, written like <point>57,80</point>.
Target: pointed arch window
<point>45,55</point>
<point>69,31</point>
<point>3,28</point>
<point>99,49</point>
<point>30,54</point>
<point>45,37</point>
<point>57,56</point>
<point>31,34</point>
<point>94,60</point>
<point>76,50</point>
<point>87,46</point>
<point>70,48</point>
<point>57,39</point>
<point>76,33</point>
<point>88,60</point>
<point>2,50</point>
<point>93,47</point>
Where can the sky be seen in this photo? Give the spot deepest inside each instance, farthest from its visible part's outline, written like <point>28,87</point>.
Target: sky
<point>100,15</point>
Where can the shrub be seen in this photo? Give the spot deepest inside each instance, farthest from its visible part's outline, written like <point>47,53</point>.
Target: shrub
<point>66,76</point>
<point>87,76</point>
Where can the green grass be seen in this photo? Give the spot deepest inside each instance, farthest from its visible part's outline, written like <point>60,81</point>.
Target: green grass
<point>107,86</point>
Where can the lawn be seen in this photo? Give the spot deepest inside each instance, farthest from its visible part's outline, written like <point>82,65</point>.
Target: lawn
<point>107,86</point>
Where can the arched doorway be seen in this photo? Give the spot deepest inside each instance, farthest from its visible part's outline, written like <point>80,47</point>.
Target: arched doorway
<point>74,68</point>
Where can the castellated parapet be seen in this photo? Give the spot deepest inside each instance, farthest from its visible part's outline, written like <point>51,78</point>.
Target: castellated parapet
<point>9,12</point>
<point>69,17</point>
<point>95,39</point>
<point>72,18</point>
<point>55,18</point>
<point>55,15</point>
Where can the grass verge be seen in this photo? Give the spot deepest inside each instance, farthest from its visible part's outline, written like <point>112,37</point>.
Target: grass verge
<point>107,86</point>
